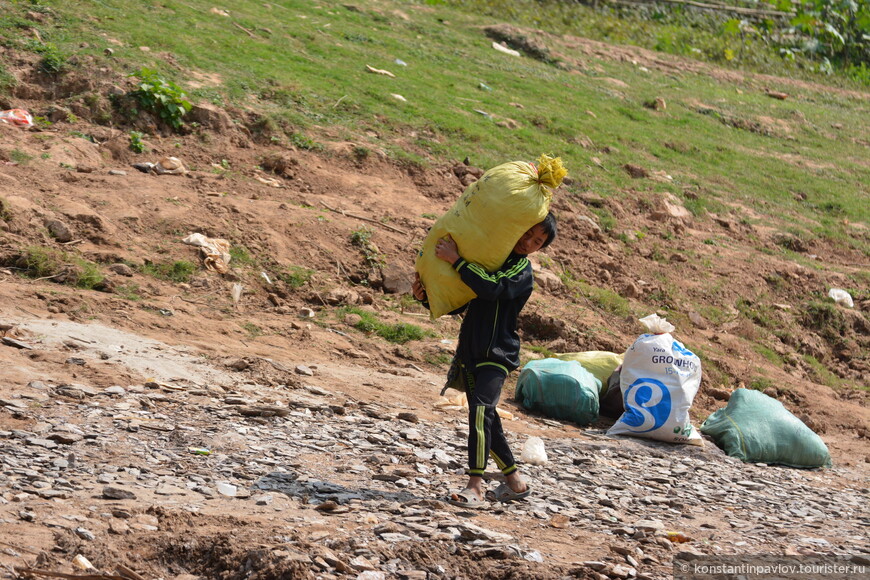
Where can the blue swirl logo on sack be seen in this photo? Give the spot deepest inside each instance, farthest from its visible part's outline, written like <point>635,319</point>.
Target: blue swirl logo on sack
<point>680,349</point>
<point>647,405</point>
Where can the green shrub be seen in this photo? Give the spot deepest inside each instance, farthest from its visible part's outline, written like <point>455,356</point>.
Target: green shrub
<point>53,60</point>
<point>136,144</point>
<point>164,98</point>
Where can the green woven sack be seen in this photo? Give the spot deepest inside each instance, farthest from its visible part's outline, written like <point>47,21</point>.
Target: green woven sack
<point>559,389</point>
<point>758,429</point>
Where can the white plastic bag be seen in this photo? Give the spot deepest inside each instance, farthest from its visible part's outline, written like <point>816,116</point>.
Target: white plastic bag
<point>659,380</point>
<point>841,297</point>
<point>534,452</point>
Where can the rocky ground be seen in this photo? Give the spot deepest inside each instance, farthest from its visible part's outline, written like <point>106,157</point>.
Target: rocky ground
<point>240,425</point>
<point>204,471</point>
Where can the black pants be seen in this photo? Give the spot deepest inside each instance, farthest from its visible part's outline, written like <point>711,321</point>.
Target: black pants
<point>485,434</point>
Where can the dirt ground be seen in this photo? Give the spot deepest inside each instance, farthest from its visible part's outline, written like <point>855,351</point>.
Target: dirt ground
<point>356,224</point>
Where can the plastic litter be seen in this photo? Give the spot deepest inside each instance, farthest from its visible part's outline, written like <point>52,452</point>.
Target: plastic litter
<point>534,452</point>
<point>166,166</point>
<point>170,166</point>
<point>82,563</point>
<point>226,489</point>
<point>841,297</point>
<point>199,450</point>
<point>236,293</point>
<point>17,117</point>
<point>400,62</point>
<point>678,537</point>
<point>215,251</point>
<point>504,49</point>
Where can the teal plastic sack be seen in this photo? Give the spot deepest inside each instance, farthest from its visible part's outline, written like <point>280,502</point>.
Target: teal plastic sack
<point>559,389</point>
<point>758,429</point>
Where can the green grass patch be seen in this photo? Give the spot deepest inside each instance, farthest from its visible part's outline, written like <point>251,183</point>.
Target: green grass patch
<point>824,318</point>
<point>241,256</point>
<point>5,212</point>
<point>769,354</point>
<point>761,383</point>
<point>129,292</point>
<point>296,276</point>
<point>543,351</point>
<point>39,262</point>
<point>399,333</point>
<point>821,374</point>
<point>180,271</point>
<point>253,330</point>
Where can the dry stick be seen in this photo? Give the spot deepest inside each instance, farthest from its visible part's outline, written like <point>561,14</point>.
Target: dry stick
<point>13,546</point>
<point>251,34</point>
<point>365,219</point>
<point>48,277</point>
<point>128,573</point>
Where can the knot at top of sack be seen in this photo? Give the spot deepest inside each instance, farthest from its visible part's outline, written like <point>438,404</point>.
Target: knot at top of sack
<point>551,171</point>
<point>656,324</point>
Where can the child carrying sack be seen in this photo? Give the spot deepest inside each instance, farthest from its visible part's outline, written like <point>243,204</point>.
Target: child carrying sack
<point>659,380</point>
<point>559,389</point>
<point>486,222</point>
<point>756,428</point>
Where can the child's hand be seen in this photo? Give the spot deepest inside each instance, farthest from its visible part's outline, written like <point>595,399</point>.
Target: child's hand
<point>418,289</point>
<point>446,249</point>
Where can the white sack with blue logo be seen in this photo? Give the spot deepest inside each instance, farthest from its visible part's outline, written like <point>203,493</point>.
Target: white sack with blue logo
<point>659,381</point>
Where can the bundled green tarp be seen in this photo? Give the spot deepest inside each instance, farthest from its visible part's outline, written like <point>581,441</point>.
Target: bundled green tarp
<point>559,389</point>
<point>758,429</point>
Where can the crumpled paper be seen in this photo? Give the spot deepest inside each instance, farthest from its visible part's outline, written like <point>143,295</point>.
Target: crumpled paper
<point>215,251</point>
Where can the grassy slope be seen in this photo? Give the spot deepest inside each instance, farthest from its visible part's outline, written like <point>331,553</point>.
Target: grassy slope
<point>306,64</point>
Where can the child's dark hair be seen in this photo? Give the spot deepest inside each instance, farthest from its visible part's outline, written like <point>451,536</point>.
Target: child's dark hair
<point>549,225</point>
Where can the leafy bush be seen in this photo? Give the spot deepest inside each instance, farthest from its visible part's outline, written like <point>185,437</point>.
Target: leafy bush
<point>162,97</point>
<point>136,144</point>
<point>53,60</point>
<point>833,29</point>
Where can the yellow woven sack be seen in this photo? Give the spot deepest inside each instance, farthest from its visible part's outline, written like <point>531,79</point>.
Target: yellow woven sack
<point>486,222</point>
<point>598,362</point>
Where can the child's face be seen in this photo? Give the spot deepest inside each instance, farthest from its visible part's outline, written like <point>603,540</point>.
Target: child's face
<point>532,241</point>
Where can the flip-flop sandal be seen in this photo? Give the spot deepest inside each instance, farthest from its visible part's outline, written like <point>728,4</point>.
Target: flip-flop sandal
<point>504,493</point>
<point>467,499</point>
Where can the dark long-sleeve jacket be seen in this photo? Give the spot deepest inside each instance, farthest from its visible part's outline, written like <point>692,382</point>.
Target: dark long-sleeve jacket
<point>489,330</point>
